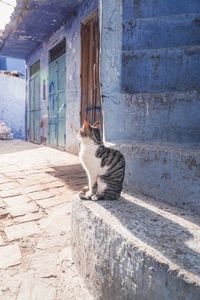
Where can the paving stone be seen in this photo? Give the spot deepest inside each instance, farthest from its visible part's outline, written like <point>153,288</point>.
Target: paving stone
<point>17,200</point>
<point>35,188</point>
<point>2,204</point>
<point>46,203</point>
<point>45,263</point>
<point>6,222</point>
<point>3,212</point>
<point>4,180</point>
<point>10,193</point>
<point>1,240</point>
<point>18,231</point>
<point>51,242</point>
<point>34,289</point>
<point>21,210</point>
<point>28,217</point>
<point>9,185</point>
<point>57,221</point>
<point>10,284</point>
<point>10,255</point>
<point>40,195</point>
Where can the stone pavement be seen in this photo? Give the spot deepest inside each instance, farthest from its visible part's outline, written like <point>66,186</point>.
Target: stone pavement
<point>37,185</point>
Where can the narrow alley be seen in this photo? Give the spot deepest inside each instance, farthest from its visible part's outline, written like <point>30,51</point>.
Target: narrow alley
<point>37,185</point>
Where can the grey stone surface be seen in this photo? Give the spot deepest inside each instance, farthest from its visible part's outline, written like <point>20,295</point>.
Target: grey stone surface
<point>10,255</point>
<point>32,288</point>
<point>17,200</point>
<point>21,210</point>
<point>18,231</point>
<point>136,248</point>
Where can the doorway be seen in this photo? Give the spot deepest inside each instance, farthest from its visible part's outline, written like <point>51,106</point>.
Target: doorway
<point>90,84</point>
<point>57,96</point>
<point>34,103</point>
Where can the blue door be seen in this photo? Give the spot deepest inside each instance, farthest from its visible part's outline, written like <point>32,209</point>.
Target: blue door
<point>57,103</point>
<point>34,108</point>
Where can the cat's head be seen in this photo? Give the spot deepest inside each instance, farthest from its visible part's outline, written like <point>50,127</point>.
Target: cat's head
<point>90,133</point>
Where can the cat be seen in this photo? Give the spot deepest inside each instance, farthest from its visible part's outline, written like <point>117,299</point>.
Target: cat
<point>105,167</point>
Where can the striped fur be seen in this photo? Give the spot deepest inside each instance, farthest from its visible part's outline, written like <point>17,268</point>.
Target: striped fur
<point>105,167</point>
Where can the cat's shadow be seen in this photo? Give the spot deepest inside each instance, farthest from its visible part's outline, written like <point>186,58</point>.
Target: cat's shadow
<point>157,231</point>
<point>74,176</point>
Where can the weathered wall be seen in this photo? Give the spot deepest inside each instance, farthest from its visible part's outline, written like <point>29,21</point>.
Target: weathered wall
<point>12,104</point>
<point>166,172</point>
<point>70,31</point>
<point>150,70</point>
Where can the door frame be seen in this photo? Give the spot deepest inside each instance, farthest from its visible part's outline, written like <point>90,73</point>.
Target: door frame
<point>87,19</point>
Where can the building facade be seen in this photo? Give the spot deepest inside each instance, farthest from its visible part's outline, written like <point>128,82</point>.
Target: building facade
<point>132,65</point>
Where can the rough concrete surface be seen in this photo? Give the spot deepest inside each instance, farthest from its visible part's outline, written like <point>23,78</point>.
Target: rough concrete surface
<point>35,217</point>
<point>136,248</point>
<point>164,171</point>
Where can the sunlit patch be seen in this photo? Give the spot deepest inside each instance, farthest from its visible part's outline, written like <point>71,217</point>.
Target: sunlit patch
<point>6,9</point>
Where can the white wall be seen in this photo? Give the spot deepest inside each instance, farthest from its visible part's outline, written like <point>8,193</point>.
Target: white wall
<point>12,104</point>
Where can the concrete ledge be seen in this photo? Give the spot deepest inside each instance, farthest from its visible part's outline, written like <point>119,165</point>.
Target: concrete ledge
<point>146,31</point>
<point>161,70</point>
<point>136,248</point>
<point>164,117</point>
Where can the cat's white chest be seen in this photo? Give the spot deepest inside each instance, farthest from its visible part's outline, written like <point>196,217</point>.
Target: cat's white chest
<point>91,163</point>
<point>88,156</point>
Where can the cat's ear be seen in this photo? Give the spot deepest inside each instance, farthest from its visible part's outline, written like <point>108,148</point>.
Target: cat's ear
<point>86,124</point>
<point>97,124</point>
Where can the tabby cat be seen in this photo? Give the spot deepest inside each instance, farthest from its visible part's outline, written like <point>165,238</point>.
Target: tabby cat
<point>105,167</point>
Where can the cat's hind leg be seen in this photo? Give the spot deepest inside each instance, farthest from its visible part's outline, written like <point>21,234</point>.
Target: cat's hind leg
<point>105,191</point>
<point>100,190</point>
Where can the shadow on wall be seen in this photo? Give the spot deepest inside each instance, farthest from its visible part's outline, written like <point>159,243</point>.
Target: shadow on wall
<point>159,232</point>
<point>73,175</point>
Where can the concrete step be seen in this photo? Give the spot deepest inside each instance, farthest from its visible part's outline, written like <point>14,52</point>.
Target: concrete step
<point>145,8</point>
<point>165,117</point>
<point>161,70</point>
<point>162,32</point>
<point>137,249</point>
<point>163,171</point>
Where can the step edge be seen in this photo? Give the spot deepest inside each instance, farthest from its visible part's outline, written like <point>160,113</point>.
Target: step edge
<point>149,251</point>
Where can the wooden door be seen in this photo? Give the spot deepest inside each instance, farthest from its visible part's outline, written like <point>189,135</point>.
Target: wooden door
<point>90,85</point>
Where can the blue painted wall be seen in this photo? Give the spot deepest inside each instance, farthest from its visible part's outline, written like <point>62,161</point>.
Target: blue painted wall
<point>150,70</point>
<point>12,64</point>
<point>3,64</point>
<point>70,31</point>
<point>149,65</point>
<point>12,104</point>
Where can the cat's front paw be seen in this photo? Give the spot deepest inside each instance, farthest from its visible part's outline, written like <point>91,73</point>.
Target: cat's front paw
<point>88,195</point>
<point>85,189</point>
<point>81,195</point>
<point>94,198</point>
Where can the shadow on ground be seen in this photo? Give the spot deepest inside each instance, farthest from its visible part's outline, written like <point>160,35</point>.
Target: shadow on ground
<point>73,175</point>
<point>12,146</point>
